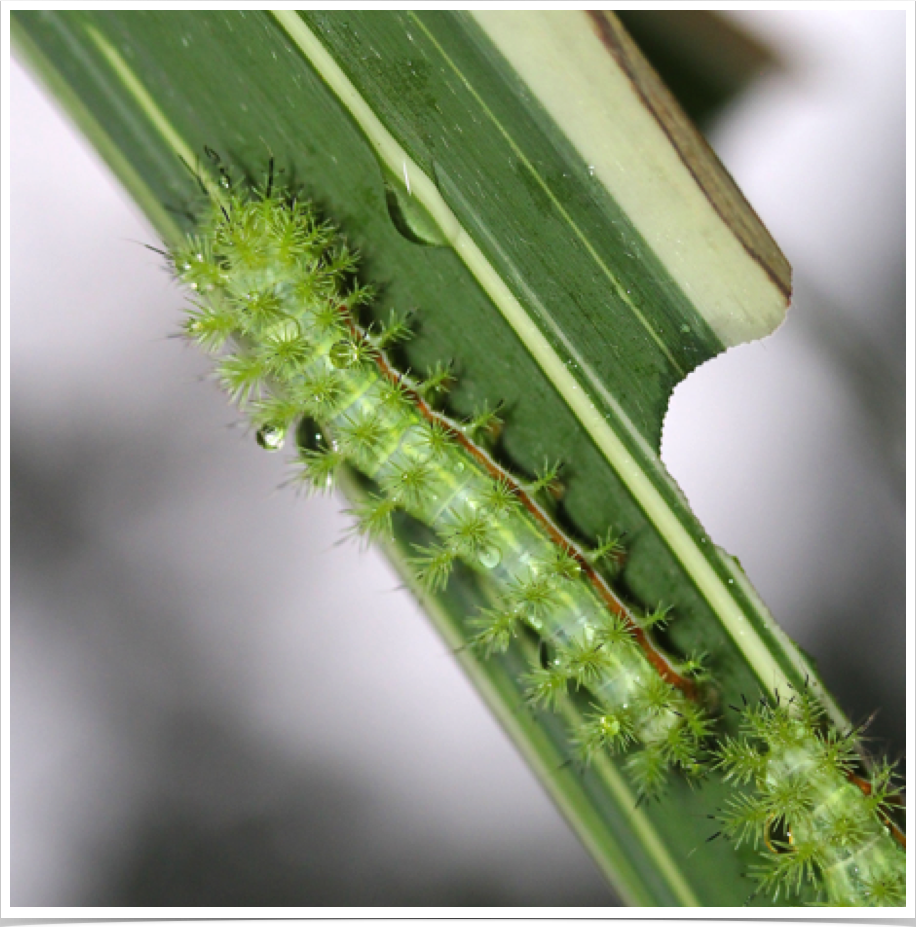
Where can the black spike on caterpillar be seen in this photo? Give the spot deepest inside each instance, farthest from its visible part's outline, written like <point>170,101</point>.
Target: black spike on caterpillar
<point>276,302</point>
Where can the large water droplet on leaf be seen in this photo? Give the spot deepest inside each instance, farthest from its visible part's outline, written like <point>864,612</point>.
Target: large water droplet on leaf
<point>409,216</point>
<point>309,436</point>
<point>271,437</point>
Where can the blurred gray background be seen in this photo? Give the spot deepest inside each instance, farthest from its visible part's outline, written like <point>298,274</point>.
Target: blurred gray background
<point>216,704</point>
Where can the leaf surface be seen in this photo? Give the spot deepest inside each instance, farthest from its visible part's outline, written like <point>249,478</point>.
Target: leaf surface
<point>525,184</point>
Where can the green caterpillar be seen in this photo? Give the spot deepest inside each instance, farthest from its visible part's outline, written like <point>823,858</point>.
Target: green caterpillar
<point>276,302</point>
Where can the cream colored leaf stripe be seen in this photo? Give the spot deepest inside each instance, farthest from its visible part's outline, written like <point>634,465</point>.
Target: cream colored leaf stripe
<point>595,107</point>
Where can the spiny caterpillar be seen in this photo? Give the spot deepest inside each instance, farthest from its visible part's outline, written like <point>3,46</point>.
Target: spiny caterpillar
<point>277,303</point>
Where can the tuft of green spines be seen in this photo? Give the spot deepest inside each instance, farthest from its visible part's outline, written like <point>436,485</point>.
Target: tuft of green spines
<point>818,824</point>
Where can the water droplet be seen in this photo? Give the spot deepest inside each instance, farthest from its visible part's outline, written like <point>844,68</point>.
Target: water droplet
<point>544,653</point>
<point>685,329</point>
<point>489,557</point>
<point>309,436</point>
<point>591,170</point>
<point>341,354</point>
<point>270,437</point>
<point>610,726</point>
<point>410,217</point>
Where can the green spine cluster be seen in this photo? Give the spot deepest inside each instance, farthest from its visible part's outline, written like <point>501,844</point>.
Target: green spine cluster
<point>275,301</point>
<point>818,822</point>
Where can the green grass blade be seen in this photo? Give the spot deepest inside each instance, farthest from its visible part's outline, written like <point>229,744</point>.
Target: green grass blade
<point>575,263</point>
